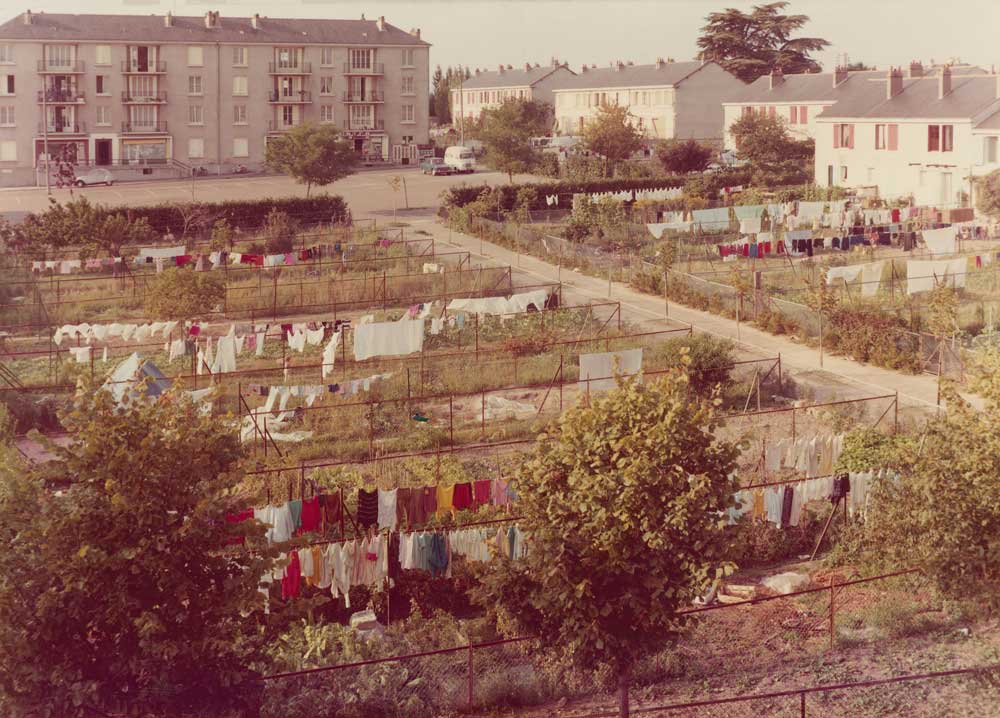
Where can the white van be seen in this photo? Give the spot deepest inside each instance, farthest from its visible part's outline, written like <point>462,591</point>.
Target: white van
<point>460,159</point>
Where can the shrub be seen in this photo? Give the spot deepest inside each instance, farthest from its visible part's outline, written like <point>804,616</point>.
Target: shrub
<point>279,232</point>
<point>183,293</point>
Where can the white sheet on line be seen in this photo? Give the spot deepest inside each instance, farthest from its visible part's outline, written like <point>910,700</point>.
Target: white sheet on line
<point>162,251</point>
<point>848,273</point>
<point>940,241</point>
<point>871,277</point>
<point>388,339</point>
<point>601,369</point>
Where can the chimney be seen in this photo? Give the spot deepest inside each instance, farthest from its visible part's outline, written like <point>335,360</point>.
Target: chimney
<point>28,17</point>
<point>527,67</point>
<point>659,63</point>
<point>168,19</point>
<point>255,21</point>
<point>477,72</point>
<point>417,33</point>
<point>620,66</point>
<point>998,87</point>
<point>211,19</point>
<point>776,78</point>
<point>510,67</point>
<point>944,82</point>
<point>916,69</point>
<point>894,83</point>
<point>500,69</point>
<point>381,23</point>
<point>583,68</point>
<point>839,75</point>
<point>362,17</point>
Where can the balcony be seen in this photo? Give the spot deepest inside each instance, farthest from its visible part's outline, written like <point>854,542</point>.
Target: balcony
<point>281,68</point>
<point>362,97</point>
<point>47,67</point>
<point>139,68</point>
<point>373,69</point>
<point>143,98</point>
<point>145,128</point>
<point>372,126</point>
<point>277,126</point>
<point>63,128</point>
<point>298,97</point>
<point>58,96</point>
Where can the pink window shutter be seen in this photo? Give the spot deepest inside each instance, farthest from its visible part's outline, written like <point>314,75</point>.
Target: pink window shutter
<point>850,137</point>
<point>792,119</point>
<point>893,137</point>
<point>803,114</point>
<point>771,112</point>
<point>836,137</point>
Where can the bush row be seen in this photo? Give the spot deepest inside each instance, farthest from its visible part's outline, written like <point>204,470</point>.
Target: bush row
<point>463,195</point>
<point>244,214</point>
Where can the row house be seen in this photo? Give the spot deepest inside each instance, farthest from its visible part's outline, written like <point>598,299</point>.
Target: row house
<point>488,89</point>
<point>205,91</point>
<point>666,100</point>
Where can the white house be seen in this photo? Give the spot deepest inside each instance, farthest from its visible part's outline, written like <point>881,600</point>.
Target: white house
<point>489,88</point>
<point>667,99</point>
<point>923,136</point>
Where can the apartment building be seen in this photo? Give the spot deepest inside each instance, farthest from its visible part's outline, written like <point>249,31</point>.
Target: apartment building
<point>925,136</point>
<point>208,91</point>
<point>666,100</point>
<point>489,88</point>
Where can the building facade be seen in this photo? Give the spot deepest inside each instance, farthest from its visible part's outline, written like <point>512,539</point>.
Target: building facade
<point>924,136</point>
<point>667,100</point>
<point>208,92</point>
<point>490,88</point>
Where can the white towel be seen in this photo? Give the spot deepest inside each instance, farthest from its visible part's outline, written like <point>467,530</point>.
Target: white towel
<point>598,371</point>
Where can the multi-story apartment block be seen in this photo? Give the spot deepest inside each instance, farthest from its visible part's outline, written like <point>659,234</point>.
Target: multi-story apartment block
<point>489,88</point>
<point>667,100</point>
<point>205,91</point>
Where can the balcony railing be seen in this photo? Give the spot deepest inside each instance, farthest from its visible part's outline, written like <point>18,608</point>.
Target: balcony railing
<point>355,126</point>
<point>374,69</point>
<point>295,97</point>
<point>61,96</point>
<point>63,68</point>
<point>143,98</point>
<point>144,128</point>
<point>130,67</point>
<point>282,68</point>
<point>279,126</point>
<point>372,96</point>
<point>63,128</point>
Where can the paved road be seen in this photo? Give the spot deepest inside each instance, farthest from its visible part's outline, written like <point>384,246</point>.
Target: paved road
<point>914,391</point>
<point>367,193</point>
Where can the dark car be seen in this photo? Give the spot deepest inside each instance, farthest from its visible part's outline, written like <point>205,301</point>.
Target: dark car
<point>434,166</point>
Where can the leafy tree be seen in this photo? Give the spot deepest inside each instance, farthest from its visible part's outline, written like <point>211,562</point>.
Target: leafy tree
<point>178,293</point>
<point>118,594</point>
<point>222,237</point>
<point>684,156</point>
<point>506,134</point>
<point>117,231</point>
<point>312,154</point>
<point>63,167</point>
<point>858,67</point>
<point>752,44</point>
<point>612,136</point>
<point>623,503</point>
<point>279,231</point>
<point>764,142</point>
<point>988,194</point>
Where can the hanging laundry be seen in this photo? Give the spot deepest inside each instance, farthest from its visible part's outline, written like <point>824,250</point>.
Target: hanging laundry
<point>940,241</point>
<point>388,339</point>
<point>871,277</point>
<point>598,371</point>
<point>330,354</point>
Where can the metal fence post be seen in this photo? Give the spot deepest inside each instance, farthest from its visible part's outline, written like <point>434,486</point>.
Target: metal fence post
<point>471,679</point>
<point>802,704</point>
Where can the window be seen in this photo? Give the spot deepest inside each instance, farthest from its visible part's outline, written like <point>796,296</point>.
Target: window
<point>196,56</point>
<point>239,56</point>
<point>239,114</point>
<point>843,173</point>
<point>361,117</point>
<point>408,85</point>
<point>326,113</point>
<point>326,57</point>
<point>940,138</point>
<point>103,115</point>
<point>6,115</point>
<point>361,59</point>
<point>196,148</point>
<point>104,85</point>
<point>947,138</point>
<point>241,147</point>
<point>793,115</point>
<point>746,112</point>
<point>289,57</point>
<point>408,58</point>
<point>287,115</point>
<point>880,137</point>
<point>6,54</point>
<point>59,55</point>
<point>326,85</point>
<point>240,85</point>
<point>407,115</point>
<point>843,136</point>
<point>194,85</point>
<point>142,115</point>
<point>407,139</point>
<point>933,138</point>
<point>102,55</point>
<point>195,115</point>
<point>8,151</point>
<point>6,84</point>
<point>989,148</point>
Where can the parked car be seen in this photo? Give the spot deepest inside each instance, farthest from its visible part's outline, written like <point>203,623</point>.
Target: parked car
<point>434,166</point>
<point>460,159</point>
<point>98,175</point>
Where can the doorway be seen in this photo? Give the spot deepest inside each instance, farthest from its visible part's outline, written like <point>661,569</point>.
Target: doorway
<point>359,144</point>
<point>102,152</point>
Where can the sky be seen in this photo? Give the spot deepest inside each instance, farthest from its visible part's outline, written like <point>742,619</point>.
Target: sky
<point>485,33</point>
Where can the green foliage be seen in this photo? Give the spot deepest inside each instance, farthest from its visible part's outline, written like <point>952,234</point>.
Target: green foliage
<point>506,134</point>
<point>179,293</point>
<point>222,236</point>
<point>706,359</point>
<point>612,136</point>
<point>622,504</point>
<point>118,593</point>
<point>683,156</point>
<point>764,141</point>
<point>988,194</point>
<point>279,232</point>
<point>708,186</point>
<point>868,334</point>
<point>548,165</point>
<point>869,449</point>
<point>505,197</point>
<point>313,154</point>
<point>79,223</point>
<point>752,44</point>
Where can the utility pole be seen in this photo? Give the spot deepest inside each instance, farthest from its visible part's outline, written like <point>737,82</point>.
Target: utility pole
<point>461,105</point>
<point>45,132</point>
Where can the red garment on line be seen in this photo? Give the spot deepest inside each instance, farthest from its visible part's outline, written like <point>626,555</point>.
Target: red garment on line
<point>462,496</point>
<point>481,492</point>
<point>310,514</point>
<point>182,259</point>
<point>292,579</point>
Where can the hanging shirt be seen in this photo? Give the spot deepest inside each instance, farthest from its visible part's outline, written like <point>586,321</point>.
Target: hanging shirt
<point>387,509</point>
<point>444,501</point>
<point>367,508</point>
